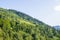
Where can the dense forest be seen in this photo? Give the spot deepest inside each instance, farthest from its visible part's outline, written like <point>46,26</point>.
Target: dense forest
<point>15,25</point>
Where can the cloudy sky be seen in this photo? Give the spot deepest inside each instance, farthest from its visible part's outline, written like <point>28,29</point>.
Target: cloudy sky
<point>47,11</point>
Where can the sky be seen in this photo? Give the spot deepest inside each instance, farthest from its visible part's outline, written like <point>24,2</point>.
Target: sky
<point>47,11</point>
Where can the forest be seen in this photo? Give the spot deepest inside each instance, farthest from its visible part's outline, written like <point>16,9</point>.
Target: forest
<point>16,25</point>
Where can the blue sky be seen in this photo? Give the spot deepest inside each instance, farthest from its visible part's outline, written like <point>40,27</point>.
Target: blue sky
<point>47,11</point>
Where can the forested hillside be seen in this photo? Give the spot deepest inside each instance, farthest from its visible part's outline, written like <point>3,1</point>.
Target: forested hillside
<point>15,25</point>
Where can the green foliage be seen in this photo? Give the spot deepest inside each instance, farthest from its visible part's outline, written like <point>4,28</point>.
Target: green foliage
<point>15,25</point>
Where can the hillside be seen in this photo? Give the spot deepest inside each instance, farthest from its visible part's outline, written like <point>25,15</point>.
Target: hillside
<point>15,25</point>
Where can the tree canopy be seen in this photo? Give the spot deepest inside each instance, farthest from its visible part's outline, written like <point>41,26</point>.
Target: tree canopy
<point>15,25</point>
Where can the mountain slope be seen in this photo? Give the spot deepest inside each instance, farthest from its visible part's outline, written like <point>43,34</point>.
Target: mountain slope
<point>27,17</point>
<point>18,27</point>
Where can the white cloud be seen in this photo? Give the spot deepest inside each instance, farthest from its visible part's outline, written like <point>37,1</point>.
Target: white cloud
<point>57,0</point>
<point>57,8</point>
